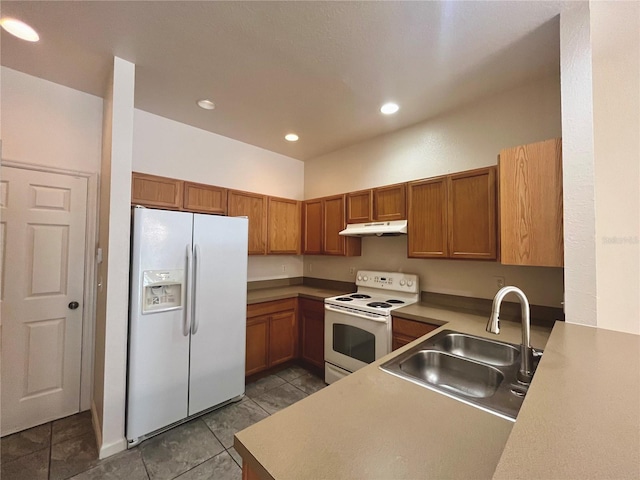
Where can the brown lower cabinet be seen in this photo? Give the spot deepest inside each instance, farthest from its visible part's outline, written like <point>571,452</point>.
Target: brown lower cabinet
<point>284,330</point>
<point>406,331</point>
<point>272,334</point>
<point>257,353</point>
<point>311,316</point>
<point>248,473</point>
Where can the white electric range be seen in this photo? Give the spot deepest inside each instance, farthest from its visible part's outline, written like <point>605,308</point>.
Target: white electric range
<point>358,325</point>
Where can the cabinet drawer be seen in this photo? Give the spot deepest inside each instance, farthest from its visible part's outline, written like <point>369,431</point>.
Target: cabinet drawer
<point>266,308</point>
<point>411,328</point>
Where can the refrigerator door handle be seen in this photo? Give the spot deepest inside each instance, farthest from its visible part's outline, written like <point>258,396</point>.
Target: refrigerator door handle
<point>196,264</point>
<point>186,325</point>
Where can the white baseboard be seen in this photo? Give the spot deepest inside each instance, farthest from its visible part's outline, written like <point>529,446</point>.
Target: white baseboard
<point>112,448</point>
<point>96,424</point>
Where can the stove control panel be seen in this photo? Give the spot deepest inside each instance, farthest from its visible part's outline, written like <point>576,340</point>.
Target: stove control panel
<point>400,282</point>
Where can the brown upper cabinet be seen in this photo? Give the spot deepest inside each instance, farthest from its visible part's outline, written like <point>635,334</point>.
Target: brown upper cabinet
<point>283,231</point>
<point>323,219</point>
<point>359,206</point>
<point>154,191</point>
<point>472,214</point>
<point>454,216</point>
<point>531,204</point>
<point>253,206</point>
<point>205,198</point>
<point>427,222</point>
<point>312,227</point>
<point>389,203</point>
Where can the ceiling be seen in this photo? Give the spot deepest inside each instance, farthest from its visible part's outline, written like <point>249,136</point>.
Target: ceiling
<point>319,69</point>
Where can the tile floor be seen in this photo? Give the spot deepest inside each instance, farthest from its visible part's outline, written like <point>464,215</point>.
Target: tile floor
<point>201,449</point>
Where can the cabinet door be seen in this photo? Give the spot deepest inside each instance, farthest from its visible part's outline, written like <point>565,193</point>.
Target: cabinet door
<point>410,328</point>
<point>406,331</point>
<point>333,223</point>
<point>282,337</point>
<point>254,206</point>
<point>531,231</point>
<point>398,341</point>
<point>154,191</point>
<point>205,198</point>
<point>389,203</point>
<point>283,226</point>
<point>427,222</point>
<point>472,214</point>
<point>359,206</point>
<point>312,326</point>
<point>312,221</point>
<point>257,353</point>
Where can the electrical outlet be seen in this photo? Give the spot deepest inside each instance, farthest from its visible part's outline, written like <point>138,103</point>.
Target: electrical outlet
<point>284,268</point>
<point>352,270</point>
<point>499,281</point>
<point>310,267</point>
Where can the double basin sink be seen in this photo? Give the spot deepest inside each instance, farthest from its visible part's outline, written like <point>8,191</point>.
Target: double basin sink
<point>474,370</point>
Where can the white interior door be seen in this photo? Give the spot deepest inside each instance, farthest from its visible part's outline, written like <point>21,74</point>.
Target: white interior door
<point>43,252</point>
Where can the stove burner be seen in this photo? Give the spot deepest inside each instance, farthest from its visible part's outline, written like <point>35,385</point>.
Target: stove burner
<point>344,299</point>
<point>360,295</point>
<point>393,300</point>
<point>379,305</point>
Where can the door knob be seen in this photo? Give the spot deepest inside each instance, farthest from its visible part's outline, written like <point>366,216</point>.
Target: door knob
<point>73,305</point>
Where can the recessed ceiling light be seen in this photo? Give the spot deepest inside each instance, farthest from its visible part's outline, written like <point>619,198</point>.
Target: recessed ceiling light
<point>291,137</point>
<point>19,29</point>
<point>206,104</point>
<point>389,108</point>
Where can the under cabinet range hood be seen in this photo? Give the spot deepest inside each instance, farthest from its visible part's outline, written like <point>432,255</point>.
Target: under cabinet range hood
<point>395,227</point>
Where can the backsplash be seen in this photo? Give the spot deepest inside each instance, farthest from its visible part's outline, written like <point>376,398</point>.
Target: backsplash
<point>542,285</point>
<point>269,267</point>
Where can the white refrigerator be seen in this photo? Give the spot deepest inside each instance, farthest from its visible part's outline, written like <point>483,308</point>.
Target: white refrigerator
<point>187,318</point>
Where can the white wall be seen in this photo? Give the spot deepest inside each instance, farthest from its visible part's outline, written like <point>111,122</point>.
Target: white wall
<point>578,165</point>
<point>600,67</point>
<point>467,138</point>
<point>543,286</point>
<point>113,296</point>
<point>172,149</point>
<point>44,123</point>
<point>615,42</point>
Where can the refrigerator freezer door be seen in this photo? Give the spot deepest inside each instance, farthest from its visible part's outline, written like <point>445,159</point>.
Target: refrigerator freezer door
<point>219,324</point>
<point>158,347</point>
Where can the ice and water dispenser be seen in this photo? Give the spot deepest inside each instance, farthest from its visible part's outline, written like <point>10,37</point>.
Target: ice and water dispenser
<point>162,290</point>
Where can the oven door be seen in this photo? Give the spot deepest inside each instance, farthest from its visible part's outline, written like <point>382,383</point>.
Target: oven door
<point>352,339</point>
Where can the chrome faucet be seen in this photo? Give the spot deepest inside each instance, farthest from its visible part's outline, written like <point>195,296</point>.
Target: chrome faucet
<point>493,326</point>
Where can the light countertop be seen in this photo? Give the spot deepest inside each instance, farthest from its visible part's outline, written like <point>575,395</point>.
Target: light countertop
<point>280,293</point>
<point>580,419</point>
<point>374,425</point>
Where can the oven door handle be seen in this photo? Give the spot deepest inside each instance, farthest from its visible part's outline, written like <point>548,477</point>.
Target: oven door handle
<point>382,319</point>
